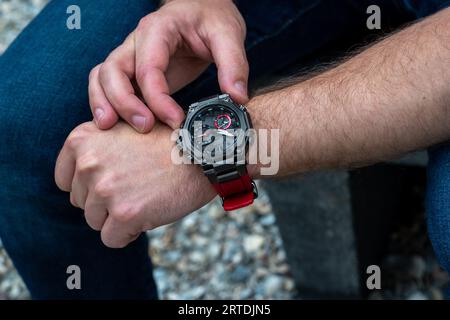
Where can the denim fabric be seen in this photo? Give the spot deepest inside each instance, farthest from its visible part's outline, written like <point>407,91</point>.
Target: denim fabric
<point>423,8</point>
<point>438,171</point>
<point>438,203</point>
<point>43,96</point>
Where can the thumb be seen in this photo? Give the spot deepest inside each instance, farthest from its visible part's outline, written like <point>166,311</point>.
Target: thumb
<point>232,66</point>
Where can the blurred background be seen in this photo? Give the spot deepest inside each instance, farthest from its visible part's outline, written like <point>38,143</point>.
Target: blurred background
<point>314,240</point>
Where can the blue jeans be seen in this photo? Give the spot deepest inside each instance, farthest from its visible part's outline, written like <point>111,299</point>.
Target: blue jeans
<point>43,96</point>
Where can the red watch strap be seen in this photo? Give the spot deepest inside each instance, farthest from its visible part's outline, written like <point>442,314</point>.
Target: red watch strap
<point>236,193</point>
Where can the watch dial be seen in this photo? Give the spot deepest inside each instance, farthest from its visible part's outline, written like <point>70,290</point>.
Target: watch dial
<point>215,122</point>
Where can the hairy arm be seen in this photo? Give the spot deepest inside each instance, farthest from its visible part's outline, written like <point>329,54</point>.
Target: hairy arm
<point>391,99</point>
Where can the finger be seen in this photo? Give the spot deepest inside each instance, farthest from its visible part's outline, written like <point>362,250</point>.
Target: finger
<point>115,75</point>
<point>152,60</point>
<point>65,168</point>
<point>95,212</point>
<point>115,234</point>
<point>79,192</point>
<point>183,71</point>
<point>229,55</point>
<point>104,114</point>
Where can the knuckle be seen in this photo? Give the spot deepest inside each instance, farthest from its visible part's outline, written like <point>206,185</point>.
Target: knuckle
<point>110,242</point>
<point>78,135</point>
<point>142,73</point>
<point>242,26</point>
<point>148,20</point>
<point>104,189</point>
<point>73,202</point>
<point>94,72</point>
<point>125,213</point>
<point>74,140</point>
<point>60,183</point>
<point>87,163</point>
<point>143,23</point>
<point>104,70</point>
<point>91,223</point>
<point>121,100</point>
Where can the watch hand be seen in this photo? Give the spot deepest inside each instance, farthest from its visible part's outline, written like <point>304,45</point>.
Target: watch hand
<point>225,133</point>
<point>199,136</point>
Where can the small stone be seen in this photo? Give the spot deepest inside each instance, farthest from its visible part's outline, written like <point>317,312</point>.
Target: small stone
<point>417,295</point>
<point>214,250</point>
<point>289,285</point>
<point>237,258</point>
<point>261,273</point>
<point>272,285</point>
<point>282,269</point>
<point>253,243</point>
<point>172,256</point>
<point>230,250</point>
<point>196,293</point>
<point>173,296</point>
<point>267,220</point>
<point>263,207</point>
<point>189,222</point>
<point>197,257</point>
<point>216,212</point>
<point>201,241</point>
<point>240,274</point>
<point>245,294</point>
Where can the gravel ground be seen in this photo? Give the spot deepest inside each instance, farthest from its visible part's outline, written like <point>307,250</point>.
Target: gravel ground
<point>214,255</point>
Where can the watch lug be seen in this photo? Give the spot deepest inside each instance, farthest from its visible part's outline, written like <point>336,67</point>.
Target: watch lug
<point>193,106</point>
<point>225,97</point>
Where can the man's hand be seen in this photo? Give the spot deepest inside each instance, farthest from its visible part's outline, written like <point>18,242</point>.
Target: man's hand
<point>169,49</point>
<point>126,182</point>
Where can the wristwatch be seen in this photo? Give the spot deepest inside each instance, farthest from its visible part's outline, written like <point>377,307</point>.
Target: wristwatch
<point>216,135</point>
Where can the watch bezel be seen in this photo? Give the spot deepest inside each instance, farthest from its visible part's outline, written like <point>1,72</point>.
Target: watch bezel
<point>185,142</point>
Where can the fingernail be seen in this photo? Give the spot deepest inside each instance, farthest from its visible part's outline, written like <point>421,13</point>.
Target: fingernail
<point>99,113</point>
<point>241,87</point>
<point>139,122</point>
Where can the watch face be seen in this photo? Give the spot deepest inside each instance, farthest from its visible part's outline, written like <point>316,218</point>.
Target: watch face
<point>214,126</point>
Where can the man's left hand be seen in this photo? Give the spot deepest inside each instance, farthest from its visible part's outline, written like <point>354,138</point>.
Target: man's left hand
<point>126,182</point>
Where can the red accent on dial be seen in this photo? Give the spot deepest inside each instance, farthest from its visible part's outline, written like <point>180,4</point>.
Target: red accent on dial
<point>216,122</point>
<point>236,193</point>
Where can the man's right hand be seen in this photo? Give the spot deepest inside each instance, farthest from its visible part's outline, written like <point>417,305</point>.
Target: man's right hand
<point>169,49</point>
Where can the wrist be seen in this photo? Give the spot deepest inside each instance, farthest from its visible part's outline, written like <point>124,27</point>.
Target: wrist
<point>254,164</point>
<point>274,149</point>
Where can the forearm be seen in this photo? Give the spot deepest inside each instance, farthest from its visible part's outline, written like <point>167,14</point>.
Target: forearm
<point>388,100</point>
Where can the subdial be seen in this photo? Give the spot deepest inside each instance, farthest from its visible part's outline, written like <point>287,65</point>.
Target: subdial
<point>222,121</point>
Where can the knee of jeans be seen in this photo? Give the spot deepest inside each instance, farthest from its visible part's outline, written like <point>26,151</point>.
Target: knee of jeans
<point>438,202</point>
<point>37,112</point>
